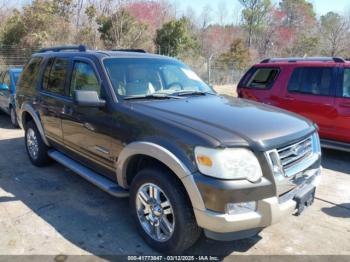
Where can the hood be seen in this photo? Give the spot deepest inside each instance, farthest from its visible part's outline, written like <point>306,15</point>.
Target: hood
<point>231,121</point>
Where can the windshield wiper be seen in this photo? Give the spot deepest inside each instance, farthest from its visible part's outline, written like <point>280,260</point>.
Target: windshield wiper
<point>154,96</point>
<point>192,92</point>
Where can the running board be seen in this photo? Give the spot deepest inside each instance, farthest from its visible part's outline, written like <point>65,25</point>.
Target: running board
<point>94,178</point>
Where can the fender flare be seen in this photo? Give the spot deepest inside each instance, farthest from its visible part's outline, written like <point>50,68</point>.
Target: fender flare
<point>26,108</point>
<point>167,158</point>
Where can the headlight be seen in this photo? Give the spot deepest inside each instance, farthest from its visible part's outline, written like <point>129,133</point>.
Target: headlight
<point>228,163</point>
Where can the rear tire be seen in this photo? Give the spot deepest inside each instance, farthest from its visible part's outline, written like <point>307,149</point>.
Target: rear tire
<point>13,116</point>
<point>36,148</point>
<point>162,211</point>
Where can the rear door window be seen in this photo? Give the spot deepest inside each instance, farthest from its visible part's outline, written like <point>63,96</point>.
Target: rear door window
<point>30,75</point>
<point>311,80</point>
<point>263,78</point>
<point>55,75</point>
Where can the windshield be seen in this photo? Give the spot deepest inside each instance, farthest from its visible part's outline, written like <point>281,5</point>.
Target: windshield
<point>144,77</point>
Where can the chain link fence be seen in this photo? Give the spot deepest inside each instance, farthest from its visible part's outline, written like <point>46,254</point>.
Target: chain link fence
<point>215,74</point>
<point>14,56</point>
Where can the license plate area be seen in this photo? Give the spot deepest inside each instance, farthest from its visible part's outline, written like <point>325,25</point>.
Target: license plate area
<point>304,198</point>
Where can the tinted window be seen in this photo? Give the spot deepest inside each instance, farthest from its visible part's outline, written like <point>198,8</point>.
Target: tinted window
<point>30,74</point>
<point>346,83</point>
<point>84,78</point>
<point>311,80</point>
<point>47,73</point>
<point>263,78</point>
<point>55,76</point>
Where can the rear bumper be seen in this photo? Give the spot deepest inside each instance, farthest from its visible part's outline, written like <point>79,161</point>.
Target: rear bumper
<point>222,226</point>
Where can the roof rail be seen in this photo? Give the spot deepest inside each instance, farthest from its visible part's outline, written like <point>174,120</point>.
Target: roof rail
<point>304,59</point>
<point>130,50</point>
<point>80,48</point>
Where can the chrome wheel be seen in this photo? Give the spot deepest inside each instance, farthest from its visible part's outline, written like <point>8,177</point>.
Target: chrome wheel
<point>32,144</point>
<point>155,212</point>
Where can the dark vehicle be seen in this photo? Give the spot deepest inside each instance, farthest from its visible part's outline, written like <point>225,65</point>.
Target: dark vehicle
<point>316,87</point>
<point>146,126</point>
<point>8,80</point>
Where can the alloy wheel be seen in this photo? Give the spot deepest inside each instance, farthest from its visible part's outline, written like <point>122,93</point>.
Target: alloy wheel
<point>155,212</point>
<point>32,143</point>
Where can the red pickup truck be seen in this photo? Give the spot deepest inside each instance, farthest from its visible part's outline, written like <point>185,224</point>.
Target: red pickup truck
<point>316,88</point>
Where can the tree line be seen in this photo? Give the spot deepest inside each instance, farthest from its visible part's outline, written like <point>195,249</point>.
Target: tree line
<point>289,28</point>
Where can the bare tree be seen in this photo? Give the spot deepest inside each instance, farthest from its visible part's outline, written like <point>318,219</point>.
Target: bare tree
<point>335,33</point>
<point>222,12</point>
<point>205,17</point>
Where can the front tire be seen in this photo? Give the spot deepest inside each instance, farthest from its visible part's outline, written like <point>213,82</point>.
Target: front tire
<point>162,211</point>
<point>35,146</point>
<point>13,116</point>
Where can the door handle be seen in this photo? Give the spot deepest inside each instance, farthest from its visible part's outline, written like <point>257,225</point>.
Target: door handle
<point>36,100</point>
<point>66,110</point>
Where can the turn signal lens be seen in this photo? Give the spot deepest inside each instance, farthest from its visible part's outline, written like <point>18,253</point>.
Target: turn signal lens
<point>204,160</point>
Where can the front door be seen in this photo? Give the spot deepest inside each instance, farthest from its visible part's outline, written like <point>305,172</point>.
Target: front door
<point>86,130</point>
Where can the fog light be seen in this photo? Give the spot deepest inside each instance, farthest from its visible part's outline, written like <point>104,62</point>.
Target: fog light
<point>240,208</point>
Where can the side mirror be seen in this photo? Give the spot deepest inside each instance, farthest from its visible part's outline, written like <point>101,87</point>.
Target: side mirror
<point>87,98</point>
<point>4,87</point>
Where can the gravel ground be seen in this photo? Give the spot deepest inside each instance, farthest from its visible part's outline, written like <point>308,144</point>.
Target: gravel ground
<point>53,211</point>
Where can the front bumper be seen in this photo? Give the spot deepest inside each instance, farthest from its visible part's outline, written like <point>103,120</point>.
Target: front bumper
<point>222,226</point>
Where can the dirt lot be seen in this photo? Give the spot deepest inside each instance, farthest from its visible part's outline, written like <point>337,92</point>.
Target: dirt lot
<point>53,211</point>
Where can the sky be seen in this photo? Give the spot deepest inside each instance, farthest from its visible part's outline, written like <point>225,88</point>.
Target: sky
<point>233,7</point>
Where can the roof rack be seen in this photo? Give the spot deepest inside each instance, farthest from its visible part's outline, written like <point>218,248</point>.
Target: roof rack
<point>130,50</point>
<point>80,48</point>
<point>304,59</point>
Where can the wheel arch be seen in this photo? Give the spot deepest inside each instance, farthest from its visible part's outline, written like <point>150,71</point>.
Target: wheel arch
<point>162,156</point>
<point>27,114</point>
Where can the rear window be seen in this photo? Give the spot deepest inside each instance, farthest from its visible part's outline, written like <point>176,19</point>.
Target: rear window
<point>262,78</point>
<point>30,75</point>
<point>311,80</point>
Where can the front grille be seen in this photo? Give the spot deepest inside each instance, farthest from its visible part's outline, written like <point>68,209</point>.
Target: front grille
<point>295,153</point>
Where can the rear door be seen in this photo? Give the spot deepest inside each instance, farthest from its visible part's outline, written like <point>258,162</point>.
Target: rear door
<point>310,92</point>
<point>258,84</point>
<point>342,102</point>
<point>53,96</point>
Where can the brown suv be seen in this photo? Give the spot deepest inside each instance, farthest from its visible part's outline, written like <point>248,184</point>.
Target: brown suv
<point>146,126</point>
